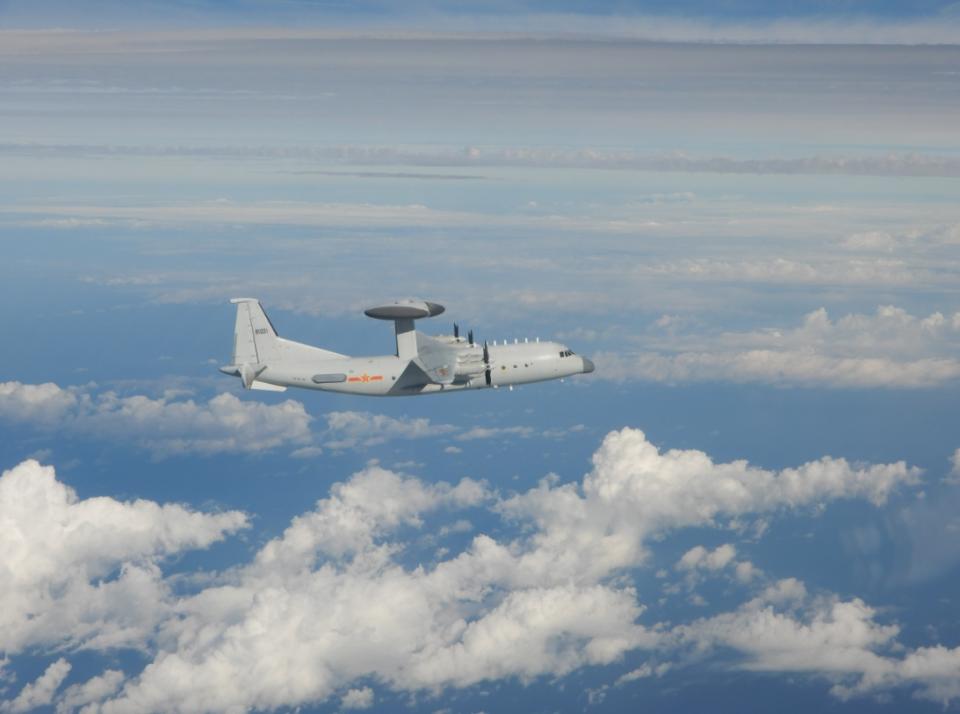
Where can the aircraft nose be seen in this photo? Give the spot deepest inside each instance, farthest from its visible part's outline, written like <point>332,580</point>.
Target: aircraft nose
<point>587,365</point>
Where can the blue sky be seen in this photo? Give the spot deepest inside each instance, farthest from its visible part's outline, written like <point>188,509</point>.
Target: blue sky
<point>107,13</point>
<point>751,503</point>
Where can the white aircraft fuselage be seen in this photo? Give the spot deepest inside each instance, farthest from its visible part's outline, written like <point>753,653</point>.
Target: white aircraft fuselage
<point>422,365</point>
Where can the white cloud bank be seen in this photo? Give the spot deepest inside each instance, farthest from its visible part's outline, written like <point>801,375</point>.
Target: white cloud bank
<point>328,608</point>
<point>890,348</point>
<point>85,573</point>
<point>169,425</point>
<point>784,629</point>
<point>164,425</point>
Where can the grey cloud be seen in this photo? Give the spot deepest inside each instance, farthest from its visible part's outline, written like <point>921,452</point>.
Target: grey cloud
<point>448,89</point>
<point>886,164</point>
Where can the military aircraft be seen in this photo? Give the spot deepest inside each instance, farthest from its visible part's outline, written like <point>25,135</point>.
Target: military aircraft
<point>422,364</point>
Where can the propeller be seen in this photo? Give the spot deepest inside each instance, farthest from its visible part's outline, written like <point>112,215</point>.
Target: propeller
<point>486,363</point>
<point>456,330</point>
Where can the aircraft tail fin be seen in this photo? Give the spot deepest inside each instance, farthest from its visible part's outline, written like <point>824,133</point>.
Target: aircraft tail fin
<point>254,337</point>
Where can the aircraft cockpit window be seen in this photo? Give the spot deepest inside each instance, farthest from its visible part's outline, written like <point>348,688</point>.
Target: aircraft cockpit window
<point>566,353</point>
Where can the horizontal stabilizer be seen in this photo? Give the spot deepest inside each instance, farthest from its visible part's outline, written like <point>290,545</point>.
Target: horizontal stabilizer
<point>266,386</point>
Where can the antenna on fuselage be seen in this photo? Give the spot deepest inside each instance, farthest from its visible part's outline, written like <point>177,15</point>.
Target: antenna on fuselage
<point>403,313</point>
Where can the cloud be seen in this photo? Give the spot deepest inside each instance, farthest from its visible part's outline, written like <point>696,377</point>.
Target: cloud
<point>265,642</point>
<point>780,270</point>
<point>357,699</point>
<point>335,603</point>
<point>828,636</point>
<point>355,429</point>
<point>642,672</point>
<point>93,690</point>
<point>170,425</point>
<point>494,432</point>
<point>348,522</point>
<point>44,403</point>
<point>522,609</point>
<point>786,630</point>
<point>352,429</point>
<point>164,426</point>
<point>41,692</point>
<point>475,157</point>
<point>889,349</point>
<point>84,572</point>
<point>699,557</point>
<point>634,491</point>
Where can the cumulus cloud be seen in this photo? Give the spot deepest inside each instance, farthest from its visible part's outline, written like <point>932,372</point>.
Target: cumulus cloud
<point>699,557</point>
<point>44,403</point>
<point>170,424</point>
<point>334,603</point>
<point>784,629</point>
<point>700,562</point>
<point>93,690</point>
<point>357,699</point>
<point>890,348</point>
<point>519,608</point>
<point>326,604</point>
<point>375,501</point>
<point>165,425</point>
<point>634,490</point>
<point>351,429</point>
<point>84,572</point>
<point>955,465</point>
<point>41,692</point>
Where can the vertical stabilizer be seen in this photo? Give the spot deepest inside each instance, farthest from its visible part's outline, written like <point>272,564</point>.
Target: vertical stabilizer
<point>254,337</point>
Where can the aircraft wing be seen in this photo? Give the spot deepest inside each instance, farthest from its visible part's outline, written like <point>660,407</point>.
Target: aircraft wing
<point>437,360</point>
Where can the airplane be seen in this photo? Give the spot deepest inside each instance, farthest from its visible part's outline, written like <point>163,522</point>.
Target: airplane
<point>422,364</point>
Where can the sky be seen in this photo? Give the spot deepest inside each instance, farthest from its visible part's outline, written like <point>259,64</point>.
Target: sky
<point>746,214</point>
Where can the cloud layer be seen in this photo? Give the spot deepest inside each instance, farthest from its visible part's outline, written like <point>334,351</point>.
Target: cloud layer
<point>330,606</point>
<point>164,426</point>
<point>890,348</point>
<point>171,424</point>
